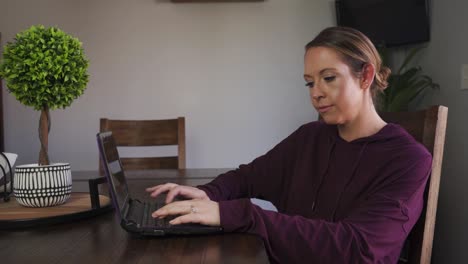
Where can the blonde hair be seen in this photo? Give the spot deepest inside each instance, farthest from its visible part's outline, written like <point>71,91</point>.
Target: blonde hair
<point>356,51</point>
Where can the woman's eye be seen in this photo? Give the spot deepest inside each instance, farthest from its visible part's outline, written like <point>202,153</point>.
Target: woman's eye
<point>310,84</point>
<point>329,78</point>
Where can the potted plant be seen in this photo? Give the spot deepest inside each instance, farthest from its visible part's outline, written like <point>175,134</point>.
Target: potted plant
<point>44,68</point>
<point>406,86</point>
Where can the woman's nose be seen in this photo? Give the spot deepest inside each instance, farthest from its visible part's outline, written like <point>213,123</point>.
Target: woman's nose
<point>316,93</point>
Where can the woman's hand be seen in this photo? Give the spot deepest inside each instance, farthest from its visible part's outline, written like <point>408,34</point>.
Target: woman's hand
<point>174,190</point>
<point>199,211</point>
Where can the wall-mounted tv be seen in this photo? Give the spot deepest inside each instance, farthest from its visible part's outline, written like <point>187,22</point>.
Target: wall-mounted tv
<point>387,23</point>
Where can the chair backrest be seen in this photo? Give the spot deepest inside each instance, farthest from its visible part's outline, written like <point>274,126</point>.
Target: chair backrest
<point>428,127</point>
<point>144,133</point>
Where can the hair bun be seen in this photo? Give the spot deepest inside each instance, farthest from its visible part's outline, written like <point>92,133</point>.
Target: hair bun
<point>381,78</point>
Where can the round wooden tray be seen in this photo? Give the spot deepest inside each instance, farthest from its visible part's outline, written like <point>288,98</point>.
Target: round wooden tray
<point>14,215</point>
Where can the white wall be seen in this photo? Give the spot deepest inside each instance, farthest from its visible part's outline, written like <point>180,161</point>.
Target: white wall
<point>234,70</point>
<point>442,60</point>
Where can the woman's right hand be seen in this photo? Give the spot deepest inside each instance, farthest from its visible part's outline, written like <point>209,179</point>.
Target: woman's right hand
<point>173,190</point>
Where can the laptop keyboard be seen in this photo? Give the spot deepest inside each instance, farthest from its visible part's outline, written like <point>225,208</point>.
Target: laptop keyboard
<point>148,220</point>
<point>140,213</point>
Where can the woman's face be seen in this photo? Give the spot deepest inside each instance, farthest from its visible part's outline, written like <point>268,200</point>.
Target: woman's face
<point>335,91</point>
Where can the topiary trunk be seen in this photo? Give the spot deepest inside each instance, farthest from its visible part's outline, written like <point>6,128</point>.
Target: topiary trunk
<point>44,127</point>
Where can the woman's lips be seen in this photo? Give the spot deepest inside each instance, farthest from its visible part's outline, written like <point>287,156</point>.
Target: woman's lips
<point>323,109</point>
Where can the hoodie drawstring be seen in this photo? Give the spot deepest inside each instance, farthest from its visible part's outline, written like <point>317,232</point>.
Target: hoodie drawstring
<point>353,173</point>
<point>322,177</point>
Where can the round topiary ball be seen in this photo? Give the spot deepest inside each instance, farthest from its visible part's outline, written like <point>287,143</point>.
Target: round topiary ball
<point>44,68</point>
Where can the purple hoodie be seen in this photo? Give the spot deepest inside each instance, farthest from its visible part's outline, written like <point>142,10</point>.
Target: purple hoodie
<point>337,201</point>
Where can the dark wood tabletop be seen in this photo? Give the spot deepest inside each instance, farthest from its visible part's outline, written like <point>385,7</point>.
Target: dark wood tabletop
<point>101,239</point>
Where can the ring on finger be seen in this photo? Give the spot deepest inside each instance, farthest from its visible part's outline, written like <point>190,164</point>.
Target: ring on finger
<point>193,209</point>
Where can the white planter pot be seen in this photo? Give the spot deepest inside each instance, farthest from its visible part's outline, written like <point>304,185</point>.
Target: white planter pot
<point>42,186</point>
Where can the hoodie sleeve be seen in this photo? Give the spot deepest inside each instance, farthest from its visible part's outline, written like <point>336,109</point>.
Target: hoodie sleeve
<point>373,231</point>
<point>249,180</point>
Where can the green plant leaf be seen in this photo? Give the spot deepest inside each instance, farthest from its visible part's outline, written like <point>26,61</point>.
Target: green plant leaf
<point>409,58</point>
<point>406,85</point>
<point>44,67</point>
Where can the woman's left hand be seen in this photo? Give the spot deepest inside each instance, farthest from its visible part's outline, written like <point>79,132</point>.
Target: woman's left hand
<point>199,211</point>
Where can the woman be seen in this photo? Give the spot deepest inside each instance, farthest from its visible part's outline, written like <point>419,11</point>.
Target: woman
<point>348,189</point>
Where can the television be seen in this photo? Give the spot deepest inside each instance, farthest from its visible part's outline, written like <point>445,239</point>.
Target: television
<point>388,23</point>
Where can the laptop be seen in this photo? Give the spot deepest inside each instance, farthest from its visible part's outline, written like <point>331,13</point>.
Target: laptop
<point>135,215</point>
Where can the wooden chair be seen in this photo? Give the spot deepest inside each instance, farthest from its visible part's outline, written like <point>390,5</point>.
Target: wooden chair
<point>428,127</point>
<point>144,133</point>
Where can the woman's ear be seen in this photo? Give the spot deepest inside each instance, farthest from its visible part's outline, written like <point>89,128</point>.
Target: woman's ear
<point>367,77</point>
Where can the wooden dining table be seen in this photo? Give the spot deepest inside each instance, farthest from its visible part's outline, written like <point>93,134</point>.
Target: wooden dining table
<point>100,239</point>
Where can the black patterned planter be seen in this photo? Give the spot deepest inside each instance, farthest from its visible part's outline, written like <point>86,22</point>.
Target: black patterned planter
<point>42,186</point>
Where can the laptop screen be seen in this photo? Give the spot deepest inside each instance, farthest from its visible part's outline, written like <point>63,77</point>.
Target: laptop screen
<point>113,168</point>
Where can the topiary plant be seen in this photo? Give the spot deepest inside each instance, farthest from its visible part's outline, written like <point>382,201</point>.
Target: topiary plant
<point>44,68</point>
